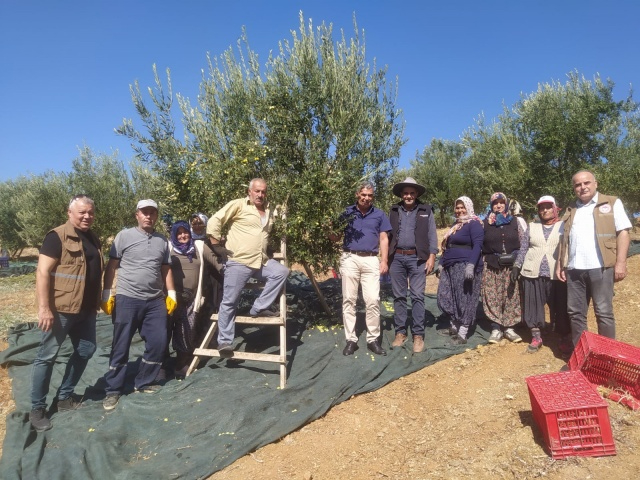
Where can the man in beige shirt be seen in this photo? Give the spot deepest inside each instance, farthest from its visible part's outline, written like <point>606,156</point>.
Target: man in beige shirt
<point>249,221</point>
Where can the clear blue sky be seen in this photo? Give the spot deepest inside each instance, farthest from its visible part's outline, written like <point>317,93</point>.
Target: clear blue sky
<point>65,67</point>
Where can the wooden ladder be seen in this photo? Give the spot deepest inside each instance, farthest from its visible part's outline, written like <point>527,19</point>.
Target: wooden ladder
<point>280,322</point>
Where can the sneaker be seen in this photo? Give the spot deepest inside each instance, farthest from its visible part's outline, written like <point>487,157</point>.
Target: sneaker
<point>153,388</point>
<point>458,340</point>
<point>39,420</point>
<point>69,403</point>
<point>535,345</point>
<point>110,401</point>
<point>512,336</point>
<point>418,344</point>
<point>495,337</point>
<point>400,339</point>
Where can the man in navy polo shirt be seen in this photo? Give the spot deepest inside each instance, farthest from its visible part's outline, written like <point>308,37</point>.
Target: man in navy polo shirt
<point>365,236</point>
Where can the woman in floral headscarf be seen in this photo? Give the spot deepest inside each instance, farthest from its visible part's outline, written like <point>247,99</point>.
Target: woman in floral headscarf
<point>190,262</point>
<point>504,247</point>
<point>461,270</point>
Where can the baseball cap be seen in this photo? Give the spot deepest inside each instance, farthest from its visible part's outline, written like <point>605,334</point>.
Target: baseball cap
<point>146,203</point>
<point>546,199</point>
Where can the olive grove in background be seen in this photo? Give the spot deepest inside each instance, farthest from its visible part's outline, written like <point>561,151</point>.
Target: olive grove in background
<point>315,120</point>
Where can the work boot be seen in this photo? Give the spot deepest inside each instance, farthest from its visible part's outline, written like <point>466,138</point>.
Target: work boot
<point>399,340</point>
<point>418,344</point>
<point>39,420</point>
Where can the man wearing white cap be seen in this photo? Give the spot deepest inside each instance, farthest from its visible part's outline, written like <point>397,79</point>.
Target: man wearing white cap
<point>540,283</point>
<point>142,257</point>
<point>594,254</point>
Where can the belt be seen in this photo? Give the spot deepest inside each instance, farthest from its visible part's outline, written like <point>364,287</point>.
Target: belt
<point>361,253</point>
<point>406,252</point>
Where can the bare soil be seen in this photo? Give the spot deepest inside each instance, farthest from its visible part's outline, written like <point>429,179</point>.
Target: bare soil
<point>466,416</point>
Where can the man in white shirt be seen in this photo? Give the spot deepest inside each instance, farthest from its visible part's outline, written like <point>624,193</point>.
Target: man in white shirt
<point>594,254</point>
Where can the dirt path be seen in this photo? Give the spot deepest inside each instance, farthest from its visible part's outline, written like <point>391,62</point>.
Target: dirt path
<point>467,416</point>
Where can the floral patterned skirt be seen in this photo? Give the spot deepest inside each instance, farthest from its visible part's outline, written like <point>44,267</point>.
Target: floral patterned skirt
<point>500,298</point>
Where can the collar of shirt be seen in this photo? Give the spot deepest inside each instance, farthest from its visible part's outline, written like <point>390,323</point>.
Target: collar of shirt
<point>593,200</point>
<point>355,209</point>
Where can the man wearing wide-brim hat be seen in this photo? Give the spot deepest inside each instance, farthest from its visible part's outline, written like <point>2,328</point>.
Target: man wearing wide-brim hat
<point>412,254</point>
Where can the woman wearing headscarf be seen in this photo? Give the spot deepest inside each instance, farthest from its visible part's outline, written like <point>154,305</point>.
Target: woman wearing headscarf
<point>199,226</point>
<point>461,270</point>
<point>192,262</point>
<point>504,246</point>
<point>540,285</point>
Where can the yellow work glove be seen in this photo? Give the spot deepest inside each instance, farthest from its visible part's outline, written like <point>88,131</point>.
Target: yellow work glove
<point>172,303</point>
<point>108,301</point>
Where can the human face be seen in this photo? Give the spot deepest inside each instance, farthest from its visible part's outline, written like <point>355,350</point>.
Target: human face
<point>81,215</point>
<point>364,199</point>
<point>498,206</point>
<point>258,194</point>
<point>460,209</point>
<point>409,196</point>
<point>585,186</point>
<point>183,235</point>
<point>546,211</point>
<point>147,218</point>
<point>197,226</point>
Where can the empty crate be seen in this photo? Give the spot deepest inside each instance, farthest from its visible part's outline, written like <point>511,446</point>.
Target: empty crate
<point>608,362</point>
<point>571,414</point>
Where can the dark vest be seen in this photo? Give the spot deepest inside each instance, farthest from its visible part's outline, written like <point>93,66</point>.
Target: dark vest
<point>494,237</point>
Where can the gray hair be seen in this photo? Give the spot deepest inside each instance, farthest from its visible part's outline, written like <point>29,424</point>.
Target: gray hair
<point>366,186</point>
<point>82,198</point>
<point>258,180</point>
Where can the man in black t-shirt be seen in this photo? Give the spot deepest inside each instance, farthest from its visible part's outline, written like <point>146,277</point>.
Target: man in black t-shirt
<point>68,286</point>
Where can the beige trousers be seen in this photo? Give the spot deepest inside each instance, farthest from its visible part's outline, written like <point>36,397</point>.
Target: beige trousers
<point>363,271</point>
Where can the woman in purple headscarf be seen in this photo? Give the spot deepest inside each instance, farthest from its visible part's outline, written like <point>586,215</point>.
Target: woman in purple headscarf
<point>505,245</point>
<point>461,270</point>
<point>190,262</point>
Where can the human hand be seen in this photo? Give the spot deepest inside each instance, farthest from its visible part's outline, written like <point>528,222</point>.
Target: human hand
<point>384,267</point>
<point>469,271</point>
<point>221,252</point>
<point>619,271</point>
<point>45,319</point>
<point>515,273</point>
<point>429,264</point>
<point>171,301</point>
<point>108,301</point>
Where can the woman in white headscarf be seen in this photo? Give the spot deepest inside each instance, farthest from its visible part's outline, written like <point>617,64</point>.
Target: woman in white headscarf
<point>461,270</point>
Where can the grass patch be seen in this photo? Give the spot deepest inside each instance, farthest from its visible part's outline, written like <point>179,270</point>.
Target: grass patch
<point>17,301</point>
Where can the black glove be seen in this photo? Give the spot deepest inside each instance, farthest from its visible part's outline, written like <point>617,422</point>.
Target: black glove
<point>515,273</point>
<point>221,252</point>
<point>469,271</point>
<point>438,271</point>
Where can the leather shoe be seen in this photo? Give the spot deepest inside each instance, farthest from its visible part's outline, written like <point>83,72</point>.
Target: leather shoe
<point>375,348</point>
<point>399,340</point>
<point>350,348</point>
<point>418,344</point>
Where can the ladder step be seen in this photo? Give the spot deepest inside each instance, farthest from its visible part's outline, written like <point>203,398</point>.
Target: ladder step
<point>255,320</point>
<point>260,357</point>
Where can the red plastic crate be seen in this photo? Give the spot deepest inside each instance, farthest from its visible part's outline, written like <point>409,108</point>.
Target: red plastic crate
<point>608,362</point>
<point>572,416</point>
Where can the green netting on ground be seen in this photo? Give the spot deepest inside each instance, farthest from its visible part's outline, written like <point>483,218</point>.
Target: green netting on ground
<point>228,408</point>
<point>18,268</point>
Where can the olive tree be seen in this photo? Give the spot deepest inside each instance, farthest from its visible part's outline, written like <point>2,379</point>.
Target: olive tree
<point>314,121</point>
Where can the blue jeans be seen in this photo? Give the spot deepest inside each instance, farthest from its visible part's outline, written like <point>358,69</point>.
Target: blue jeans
<point>81,329</point>
<point>597,284</point>
<point>411,268</point>
<point>236,275</point>
<point>131,315</point>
